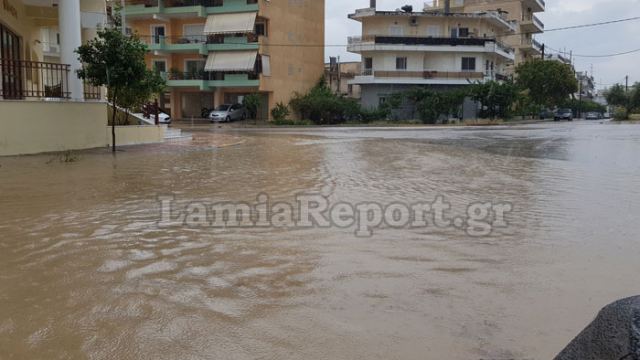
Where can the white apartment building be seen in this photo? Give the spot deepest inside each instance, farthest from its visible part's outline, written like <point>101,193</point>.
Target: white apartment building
<point>402,49</point>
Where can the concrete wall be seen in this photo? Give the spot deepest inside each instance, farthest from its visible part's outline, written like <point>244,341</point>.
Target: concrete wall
<point>29,127</point>
<point>136,135</point>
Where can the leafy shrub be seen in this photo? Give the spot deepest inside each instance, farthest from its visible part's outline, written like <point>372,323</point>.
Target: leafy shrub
<point>280,112</point>
<point>620,113</point>
<point>252,102</point>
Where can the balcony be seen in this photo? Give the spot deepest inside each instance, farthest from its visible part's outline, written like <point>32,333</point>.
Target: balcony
<point>413,43</point>
<point>206,80</point>
<point>201,44</point>
<point>535,5</point>
<point>531,47</point>
<point>181,8</point>
<point>417,77</point>
<point>31,79</point>
<point>532,25</point>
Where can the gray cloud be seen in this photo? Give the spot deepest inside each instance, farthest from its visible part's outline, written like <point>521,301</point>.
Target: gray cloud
<point>590,41</point>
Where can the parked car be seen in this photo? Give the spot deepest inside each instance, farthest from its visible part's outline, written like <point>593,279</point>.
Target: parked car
<point>593,116</point>
<point>563,114</point>
<point>546,114</point>
<point>228,113</point>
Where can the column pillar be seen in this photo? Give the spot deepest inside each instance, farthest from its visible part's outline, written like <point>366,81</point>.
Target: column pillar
<point>70,39</point>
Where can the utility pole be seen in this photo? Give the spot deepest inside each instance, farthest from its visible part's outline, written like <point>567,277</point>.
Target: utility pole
<point>542,51</point>
<point>626,80</point>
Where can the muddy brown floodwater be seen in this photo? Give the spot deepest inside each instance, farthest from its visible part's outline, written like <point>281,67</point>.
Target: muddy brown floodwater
<point>86,273</point>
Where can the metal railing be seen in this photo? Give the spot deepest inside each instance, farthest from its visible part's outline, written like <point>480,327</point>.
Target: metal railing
<point>199,39</point>
<point>180,3</point>
<point>425,41</point>
<point>207,75</point>
<point>20,79</point>
<point>424,74</point>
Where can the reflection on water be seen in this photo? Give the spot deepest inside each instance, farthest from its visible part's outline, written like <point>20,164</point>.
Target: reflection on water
<point>86,273</point>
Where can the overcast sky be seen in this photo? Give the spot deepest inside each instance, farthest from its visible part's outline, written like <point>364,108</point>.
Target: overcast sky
<point>599,40</point>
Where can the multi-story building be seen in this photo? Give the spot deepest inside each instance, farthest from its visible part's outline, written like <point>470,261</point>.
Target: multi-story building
<point>339,74</point>
<point>38,40</point>
<point>218,51</point>
<point>586,85</point>
<point>404,49</point>
<point>521,12</point>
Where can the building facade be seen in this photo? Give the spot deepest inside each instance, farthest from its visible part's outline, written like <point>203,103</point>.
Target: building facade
<point>215,52</point>
<point>38,40</point>
<point>521,12</point>
<point>339,75</point>
<point>405,49</point>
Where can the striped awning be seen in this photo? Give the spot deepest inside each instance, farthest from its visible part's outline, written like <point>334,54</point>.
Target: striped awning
<point>231,61</point>
<point>230,23</point>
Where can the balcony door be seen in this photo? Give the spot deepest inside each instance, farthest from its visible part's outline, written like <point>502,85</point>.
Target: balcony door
<point>11,84</point>
<point>157,33</point>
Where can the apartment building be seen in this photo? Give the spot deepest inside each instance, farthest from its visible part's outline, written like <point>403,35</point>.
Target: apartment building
<point>339,74</point>
<point>44,106</point>
<point>521,12</point>
<point>37,41</point>
<point>403,49</point>
<point>215,52</point>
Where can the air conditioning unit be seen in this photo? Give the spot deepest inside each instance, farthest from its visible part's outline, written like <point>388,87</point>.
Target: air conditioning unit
<point>413,21</point>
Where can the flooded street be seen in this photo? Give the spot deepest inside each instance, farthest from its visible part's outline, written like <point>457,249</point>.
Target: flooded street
<point>87,273</point>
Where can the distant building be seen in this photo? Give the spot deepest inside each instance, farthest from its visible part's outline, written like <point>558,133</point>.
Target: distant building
<point>404,49</point>
<point>521,12</point>
<point>215,52</point>
<point>586,85</point>
<point>339,74</point>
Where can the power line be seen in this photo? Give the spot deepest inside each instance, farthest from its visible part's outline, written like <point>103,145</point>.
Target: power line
<point>598,56</point>
<point>575,26</point>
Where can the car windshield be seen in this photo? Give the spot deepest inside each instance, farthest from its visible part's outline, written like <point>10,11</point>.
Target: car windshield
<point>565,110</point>
<point>223,107</point>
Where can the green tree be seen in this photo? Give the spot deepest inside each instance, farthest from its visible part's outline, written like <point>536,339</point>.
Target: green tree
<point>547,82</point>
<point>626,100</point>
<point>252,103</point>
<point>138,94</point>
<point>496,98</point>
<point>433,105</point>
<point>115,61</point>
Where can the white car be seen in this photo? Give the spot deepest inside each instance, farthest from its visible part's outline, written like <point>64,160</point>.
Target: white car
<point>162,118</point>
<point>228,113</point>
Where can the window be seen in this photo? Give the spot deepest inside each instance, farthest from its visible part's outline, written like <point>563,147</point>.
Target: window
<point>157,33</point>
<point>160,66</point>
<point>261,28</point>
<point>433,31</point>
<point>368,63</point>
<point>396,30</point>
<point>463,32</point>
<point>193,33</point>
<point>266,65</point>
<point>401,63</point>
<point>468,64</point>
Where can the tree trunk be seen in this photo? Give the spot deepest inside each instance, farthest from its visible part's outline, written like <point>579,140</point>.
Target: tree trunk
<point>113,123</point>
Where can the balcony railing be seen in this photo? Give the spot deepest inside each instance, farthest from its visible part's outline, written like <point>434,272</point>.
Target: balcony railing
<point>31,79</point>
<point>538,22</point>
<point>181,3</point>
<point>199,39</point>
<point>425,41</point>
<point>424,74</point>
<point>207,75</point>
